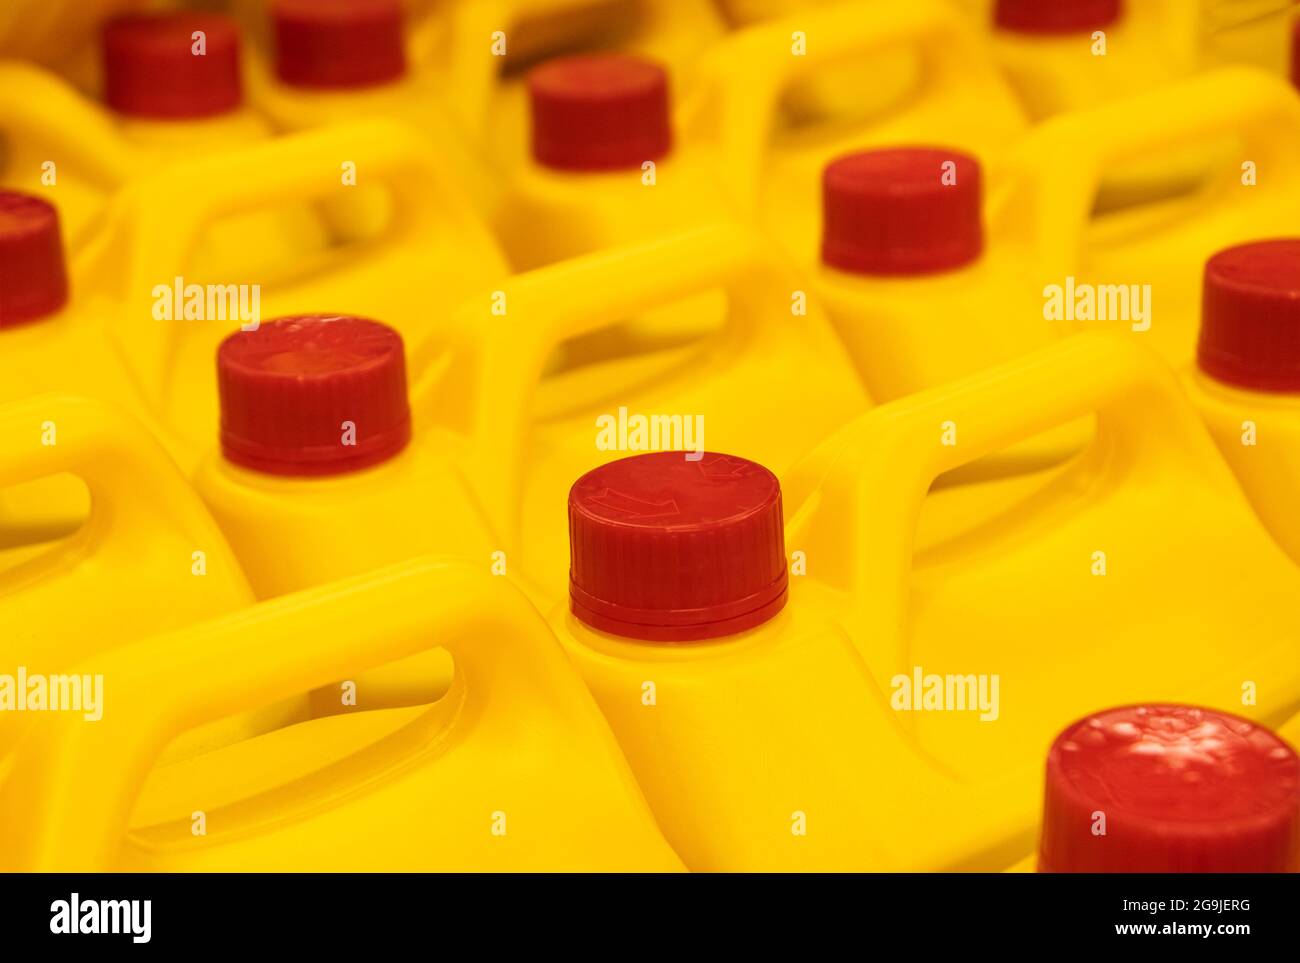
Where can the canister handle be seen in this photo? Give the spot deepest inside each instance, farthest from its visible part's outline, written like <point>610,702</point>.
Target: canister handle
<point>853,504</point>
<point>1051,179</point>
<point>70,790</point>
<point>485,389</point>
<point>155,221</point>
<point>737,89</point>
<point>40,109</point>
<point>135,488</point>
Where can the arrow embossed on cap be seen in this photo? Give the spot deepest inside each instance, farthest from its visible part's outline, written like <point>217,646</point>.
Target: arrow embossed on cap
<point>719,465</point>
<point>634,507</point>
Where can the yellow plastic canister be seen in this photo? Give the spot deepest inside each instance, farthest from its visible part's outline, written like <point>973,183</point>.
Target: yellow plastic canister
<point>46,345</point>
<point>171,90</point>
<point>480,51</point>
<point>166,309</point>
<point>926,283</point>
<point>1153,251</point>
<point>655,167</point>
<point>319,62</point>
<point>1246,381</point>
<point>920,292</point>
<point>768,377</point>
<point>148,558</point>
<point>1066,56</point>
<point>513,770</point>
<point>939,87</point>
<point>322,474</point>
<point>1119,580</point>
<point>315,420</point>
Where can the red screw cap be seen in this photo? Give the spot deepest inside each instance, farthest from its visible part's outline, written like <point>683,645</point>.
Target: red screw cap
<point>338,43</point>
<point>1056,16</point>
<point>33,279</point>
<point>1250,316</point>
<point>599,112</point>
<point>905,210</point>
<point>671,550</point>
<point>151,69</point>
<point>1182,789</point>
<point>288,388</point>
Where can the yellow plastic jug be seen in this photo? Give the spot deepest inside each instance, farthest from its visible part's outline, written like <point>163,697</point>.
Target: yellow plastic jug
<point>46,344</point>
<point>513,770</point>
<point>167,97</point>
<point>941,88</point>
<point>1066,56</point>
<point>603,166</point>
<point>480,51</point>
<point>652,171</point>
<point>60,145</point>
<point>315,479</point>
<point>148,559</point>
<point>1169,788</point>
<point>1118,579</point>
<point>917,294</point>
<point>926,283</point>
<point>1151,252</point>
<point>319,62</point>
<point>1246,381</point>
<point>315,422</point>
<point>166,310</point>
<point>768,377</point>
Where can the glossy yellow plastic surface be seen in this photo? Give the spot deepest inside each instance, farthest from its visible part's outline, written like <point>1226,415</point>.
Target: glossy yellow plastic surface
<point>1291,731</point>
<point>1259,436</point>
<point>766,378</point>
<point>496,445</point>
<point>930,82</point>
<point>737,148</point>
<point>1118,579</point>
<point>1053,176</point>
<point>1254,32</point>
<point>513,770</point>
<point>413,102</point>
<point>147,559</point>
<point>429,249</point>
<point>906,334</point>
<point>76,153</point>
<point>1152,43</point>
<point>483,81</point>
<point>50,30</point>
<point>751,11</point>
